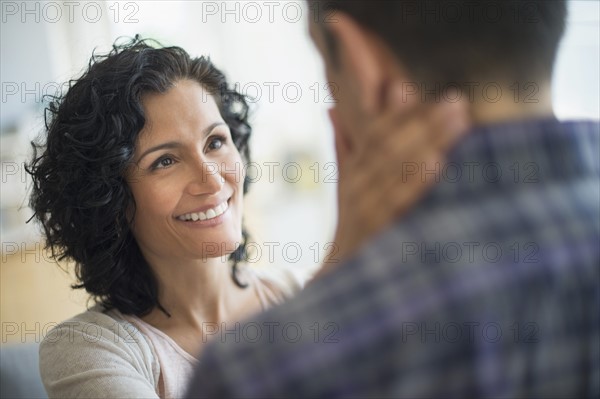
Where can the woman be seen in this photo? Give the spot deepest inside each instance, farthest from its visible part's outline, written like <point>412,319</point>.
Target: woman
<point>140,182</point>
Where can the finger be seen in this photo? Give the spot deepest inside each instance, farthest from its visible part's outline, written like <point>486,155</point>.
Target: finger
<point>393,198</point>
<point>399,108</point>
<point>398,192</point>
<point>399,101</point>
<point>405,137</point>
<point>449,122</point>
<point>342,145</point>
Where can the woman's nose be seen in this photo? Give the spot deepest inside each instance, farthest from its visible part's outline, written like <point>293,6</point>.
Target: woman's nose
<point>206,179</point>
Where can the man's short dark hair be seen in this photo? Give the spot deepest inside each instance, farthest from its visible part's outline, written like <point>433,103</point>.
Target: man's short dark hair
<point>459,40</point>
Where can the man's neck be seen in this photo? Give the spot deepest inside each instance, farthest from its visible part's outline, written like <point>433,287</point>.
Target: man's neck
<point>510,102</point>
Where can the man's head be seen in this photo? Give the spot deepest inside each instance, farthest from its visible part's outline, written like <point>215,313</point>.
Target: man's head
<point>433,45</point>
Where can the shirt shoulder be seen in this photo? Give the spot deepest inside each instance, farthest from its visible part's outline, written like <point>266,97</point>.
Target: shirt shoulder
<point>98,354</point>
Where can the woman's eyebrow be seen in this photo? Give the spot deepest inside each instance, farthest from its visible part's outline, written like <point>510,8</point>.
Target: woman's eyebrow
<point>169,144</point>
<point>176,144</point>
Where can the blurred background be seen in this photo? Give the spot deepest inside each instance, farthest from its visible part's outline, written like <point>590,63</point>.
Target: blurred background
<point>264,48</point>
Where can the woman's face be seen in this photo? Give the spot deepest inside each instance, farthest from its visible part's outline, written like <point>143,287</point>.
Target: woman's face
<point>187,178</point>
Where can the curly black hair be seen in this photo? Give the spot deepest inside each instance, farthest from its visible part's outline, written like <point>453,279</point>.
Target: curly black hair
<point>79,192</point>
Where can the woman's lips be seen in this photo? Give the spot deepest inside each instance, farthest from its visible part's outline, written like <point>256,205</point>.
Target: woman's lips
<point>208,215</point>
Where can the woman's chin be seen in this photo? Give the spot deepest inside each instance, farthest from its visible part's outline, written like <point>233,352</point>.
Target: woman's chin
<point>218,248</point>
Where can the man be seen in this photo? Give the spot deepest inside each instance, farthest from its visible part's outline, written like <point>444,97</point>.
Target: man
<point>488,285</point>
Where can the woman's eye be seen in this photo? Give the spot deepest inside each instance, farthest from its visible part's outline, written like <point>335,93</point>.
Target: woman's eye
<point>163,163</point>
<point>216,143</point>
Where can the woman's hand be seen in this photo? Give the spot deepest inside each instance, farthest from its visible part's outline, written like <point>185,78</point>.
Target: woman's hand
<point>382,174</point>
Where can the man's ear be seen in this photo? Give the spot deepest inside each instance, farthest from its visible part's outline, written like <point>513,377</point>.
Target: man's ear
<point>360,54</point>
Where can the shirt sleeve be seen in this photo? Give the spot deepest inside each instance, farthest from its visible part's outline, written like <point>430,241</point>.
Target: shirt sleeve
<point>97,357</point>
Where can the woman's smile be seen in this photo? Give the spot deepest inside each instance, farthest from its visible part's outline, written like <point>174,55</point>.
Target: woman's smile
<point>208,217</point>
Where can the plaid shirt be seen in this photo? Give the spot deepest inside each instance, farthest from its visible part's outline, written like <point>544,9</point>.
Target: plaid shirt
<point>489,287</point>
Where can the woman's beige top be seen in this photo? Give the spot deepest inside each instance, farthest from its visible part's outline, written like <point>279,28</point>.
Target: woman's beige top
<point>105,354</point>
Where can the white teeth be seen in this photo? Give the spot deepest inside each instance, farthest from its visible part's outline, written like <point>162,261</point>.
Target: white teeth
<point>211,213</point>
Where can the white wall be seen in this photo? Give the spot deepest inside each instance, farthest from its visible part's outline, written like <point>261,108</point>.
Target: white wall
<point>576,81</point>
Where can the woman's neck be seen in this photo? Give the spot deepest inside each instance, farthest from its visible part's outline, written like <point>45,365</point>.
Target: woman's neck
<point>193,292</point>
<point>201,299</point>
